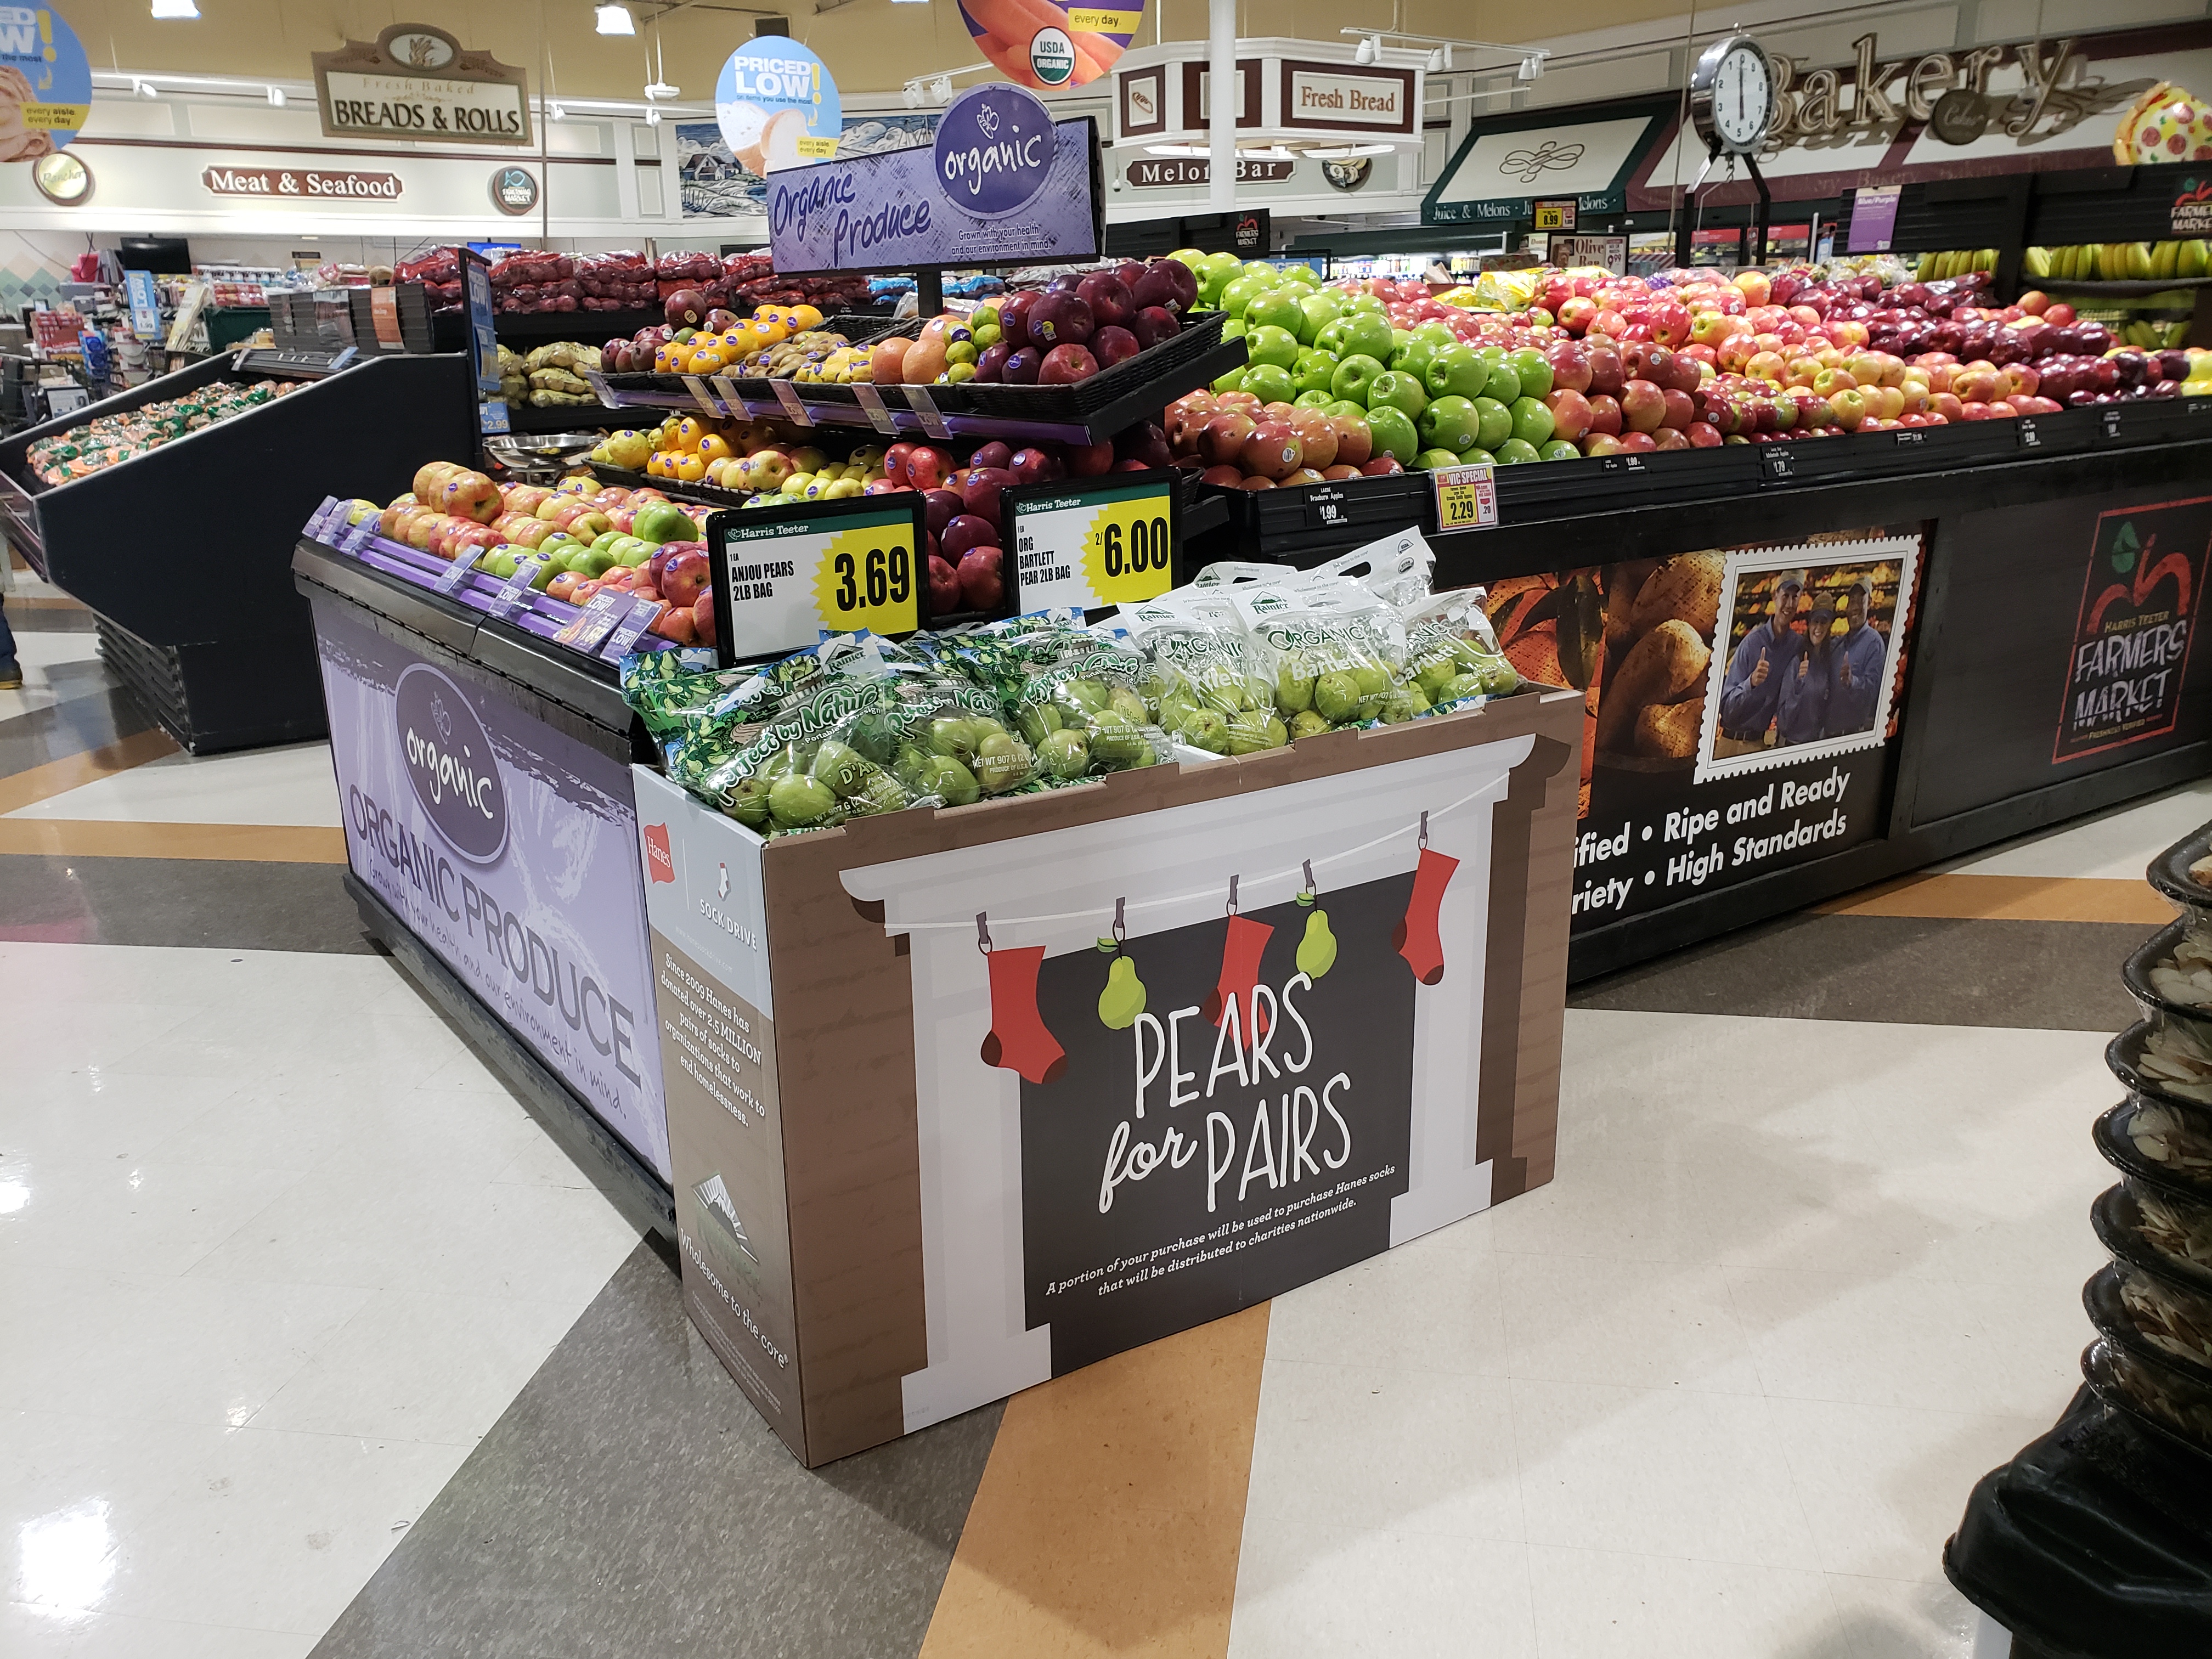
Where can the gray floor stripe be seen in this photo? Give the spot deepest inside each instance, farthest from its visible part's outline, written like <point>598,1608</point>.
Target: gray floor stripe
<point>234,905</point>
<point>630,1502</point>
<point>93,711</point>
<point>2052,975</point>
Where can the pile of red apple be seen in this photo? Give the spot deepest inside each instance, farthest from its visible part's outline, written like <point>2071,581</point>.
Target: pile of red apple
<point>1083,323</point>
<point>962,508</point>
<point>1232,439</point>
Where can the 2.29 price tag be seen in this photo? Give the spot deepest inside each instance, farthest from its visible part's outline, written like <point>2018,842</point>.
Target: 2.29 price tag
<point>785,576</point>
<point>1093,543</point>
<point>1466,497</point>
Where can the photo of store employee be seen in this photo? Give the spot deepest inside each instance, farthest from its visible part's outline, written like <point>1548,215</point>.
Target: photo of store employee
<point>1800,714</point>
<point>1860,653</point>
<point>1752,692</point>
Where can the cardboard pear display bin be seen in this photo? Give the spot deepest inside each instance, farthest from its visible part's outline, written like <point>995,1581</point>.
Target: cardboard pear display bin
<point>959,1100</point>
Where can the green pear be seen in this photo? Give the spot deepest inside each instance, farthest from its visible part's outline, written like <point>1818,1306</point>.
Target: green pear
<point>1123,999</point>
<point>1317,950</point>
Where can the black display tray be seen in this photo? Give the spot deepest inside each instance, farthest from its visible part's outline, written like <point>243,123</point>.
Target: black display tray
<point>2110,1134</point>
<point>2117,1224</point>
<point>2100,1298</point>
<point>2135,974</point>
<point>2123,1055</point>
<point>2169,871</point>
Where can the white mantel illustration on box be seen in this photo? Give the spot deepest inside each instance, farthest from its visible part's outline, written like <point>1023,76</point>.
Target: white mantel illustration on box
<point>1172,868</point>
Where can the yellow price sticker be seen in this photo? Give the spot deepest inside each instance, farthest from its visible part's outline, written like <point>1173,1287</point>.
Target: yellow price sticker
<point>870,578</point>
<point>1466,497</point>
<point>1129,549</point>
<point>1550,218</point>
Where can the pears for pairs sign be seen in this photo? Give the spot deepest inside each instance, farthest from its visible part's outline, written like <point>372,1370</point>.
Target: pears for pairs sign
<point>1224,1146</point>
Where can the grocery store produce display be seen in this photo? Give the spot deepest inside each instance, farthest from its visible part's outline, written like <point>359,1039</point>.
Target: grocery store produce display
<point>106,439</point>
<point>1586,363</point>
<point>580,540</point>
<point>549,376</point>
<point>1242,660</point>
<point>2115,262</point>
<point>534,282</point>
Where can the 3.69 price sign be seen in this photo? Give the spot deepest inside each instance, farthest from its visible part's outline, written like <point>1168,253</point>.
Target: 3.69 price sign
<point>1093,543</point>
<point>784,576</point>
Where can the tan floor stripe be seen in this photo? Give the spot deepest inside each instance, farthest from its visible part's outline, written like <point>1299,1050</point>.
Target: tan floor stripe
<point>1960,897</point>
<point>38,783</point>
<point>1109,1517</point>
<point>99,838</point>
<point>43,602</point>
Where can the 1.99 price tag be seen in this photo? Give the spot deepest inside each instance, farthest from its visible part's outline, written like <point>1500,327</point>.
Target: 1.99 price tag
<point>1094,543</point>
<point>785,576</point>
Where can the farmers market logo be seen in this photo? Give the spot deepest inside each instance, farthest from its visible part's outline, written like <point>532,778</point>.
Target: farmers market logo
<point>2132,646</point>
<point>2191,214</point>
<point>450,763</point>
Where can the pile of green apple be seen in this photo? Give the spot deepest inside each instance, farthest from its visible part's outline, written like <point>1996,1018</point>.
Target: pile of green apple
<point>1428,396</point>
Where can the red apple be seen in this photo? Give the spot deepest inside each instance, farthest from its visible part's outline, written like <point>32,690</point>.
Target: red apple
<point>943,587</point>
<point>1067,365</point>
<point>1677,410</point>
<point>966,530</point>
<point>1222,439</point>
<point>1601,443</point>
<point>1637,443</point>
<point>1642,406</point>
<point>1153,324</point>
<point>1114,344</point>
<point>993,453</point>
<point>939,508</point>
<point>1341,471</point>
<point>1703,434</point>
<point>1090,460</point>
<point>1571,367</point>
<point>1355,439</point>
<point>1605,414</point>
<point>980,492</point>
<point>1273,451</point>
<point>1382,466</point>
<point>1316,435</point>
<point>982,584</point>
<point>1232,477</point>
<point>1256,481</point>
<point>1059,319</point>
<point>1107,298</point>
<point>1570,414</point>
<point>926,467</point>
<point>1033,467</point>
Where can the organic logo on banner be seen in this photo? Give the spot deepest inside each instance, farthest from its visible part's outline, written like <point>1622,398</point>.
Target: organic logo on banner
<point>2138,614</point>
<point>450,763</point>
<point>660,861</point>
<point>994,150</point>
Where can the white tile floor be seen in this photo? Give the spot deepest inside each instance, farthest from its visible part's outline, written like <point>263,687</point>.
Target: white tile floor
<point>1721,1389</point>
<point>265,1286</point>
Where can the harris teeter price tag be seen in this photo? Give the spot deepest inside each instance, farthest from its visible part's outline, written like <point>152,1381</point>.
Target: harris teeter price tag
<point>783,577</point>
<point>1094,541</point>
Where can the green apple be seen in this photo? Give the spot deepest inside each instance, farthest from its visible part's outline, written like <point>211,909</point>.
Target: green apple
<point>1394,432</point>
<point>1451,422</point>
<point>1477,457</point>
<point>1241,293</point>
<point>1534,373</point>
<point>1270,383</point>
<point>1367,334</point>
<point>1558,449</point>
<point>1429,459</point>
<point>1276,308</point>
<point>1215,271</point>
<point>1318,398</point>
<point>1513,450</point>
<point>594,561</point>
<point>1504,381</point>
<point>1233,328</point>
<point>1439,335</point>
<point>1315,369</point>
<point>1415,356</point>
<point>1399,390</point>
<point>1305,276</point>
<point>1367,302</point>
<point>1455,370</point>
<point>1232,381</point>
<point>1496,421</point>
<point>1266,272</point>
<point>1355,378</point>
<point>1347,407</point>
<point>1532,421</point>
<point>1320,310</point>
<point>1268,343</point>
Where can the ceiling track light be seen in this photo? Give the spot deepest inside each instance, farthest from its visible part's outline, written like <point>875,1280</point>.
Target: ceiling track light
<point>1370,49</point>
<point>661,89</point>
<point>940,89</point>
<point>614,19</point>
<point>276,97</point>
<point>652,116</point>
<point>560,111</point>
<point>1532,67</point>
<point>144,89</point>
<point>1440,59</point>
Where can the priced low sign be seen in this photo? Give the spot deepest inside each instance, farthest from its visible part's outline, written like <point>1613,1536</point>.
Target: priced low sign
<point>1095,543</point>
<point>785,576</point>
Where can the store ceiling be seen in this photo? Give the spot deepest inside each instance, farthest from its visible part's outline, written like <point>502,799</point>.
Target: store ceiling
<point>871,45</point>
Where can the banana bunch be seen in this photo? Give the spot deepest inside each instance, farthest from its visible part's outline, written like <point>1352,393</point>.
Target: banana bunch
<point>1954,262</point>
<point>785,359</point>
<point>2119,262</point>
<point>844,364</point>
<point>2147,336</point>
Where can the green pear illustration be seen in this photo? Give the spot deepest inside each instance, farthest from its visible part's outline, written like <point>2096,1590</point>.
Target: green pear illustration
<point>1123,999</point>
<point>1317,950</point>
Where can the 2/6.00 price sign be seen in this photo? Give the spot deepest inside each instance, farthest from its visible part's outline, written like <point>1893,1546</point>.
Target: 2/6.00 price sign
<point>784,576</point>
<point>1092,543</point>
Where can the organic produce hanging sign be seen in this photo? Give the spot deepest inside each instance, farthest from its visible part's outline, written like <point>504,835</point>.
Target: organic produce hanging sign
<point>1002,184</point>
<point>1090,545</point>
<point>417,81</point>
<point>783,577</point>
<point>2132,643</point>
<point>45,85</point>
<point>1047,43</point>
<point>777,106</point>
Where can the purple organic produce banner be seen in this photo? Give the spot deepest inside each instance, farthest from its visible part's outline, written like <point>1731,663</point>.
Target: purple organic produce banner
<point>510,849</point>
<point>1001,185</point>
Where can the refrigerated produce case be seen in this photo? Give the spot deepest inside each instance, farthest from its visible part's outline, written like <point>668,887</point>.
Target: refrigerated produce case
<point>183,552</point>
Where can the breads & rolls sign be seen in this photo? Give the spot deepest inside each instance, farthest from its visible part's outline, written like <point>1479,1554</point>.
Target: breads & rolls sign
<point>417,81</point>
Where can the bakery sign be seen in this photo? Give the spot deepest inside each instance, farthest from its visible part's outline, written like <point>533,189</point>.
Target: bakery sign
<point>416,81</point>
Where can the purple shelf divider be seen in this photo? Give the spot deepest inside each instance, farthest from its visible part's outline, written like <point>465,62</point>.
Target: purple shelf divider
<point>543,619</point>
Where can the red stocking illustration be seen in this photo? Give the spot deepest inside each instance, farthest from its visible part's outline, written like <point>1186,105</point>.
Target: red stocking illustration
<point>1415,938</point>
<point>1019,1040</point>
<point>1239,971</point>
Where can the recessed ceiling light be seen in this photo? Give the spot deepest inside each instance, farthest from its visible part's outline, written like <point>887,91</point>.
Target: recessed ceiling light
<point>175,11</point>
<point>611,19</point>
